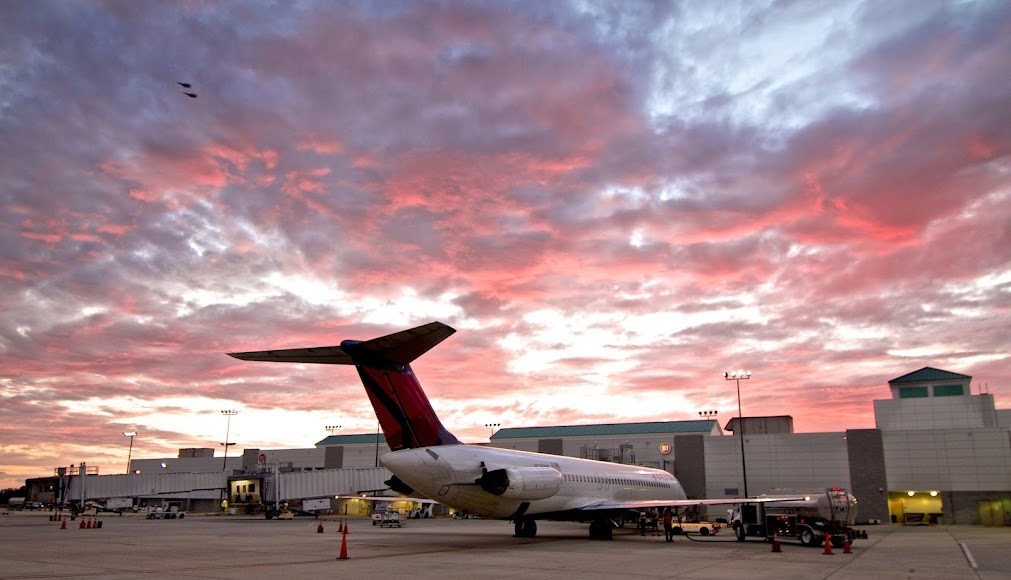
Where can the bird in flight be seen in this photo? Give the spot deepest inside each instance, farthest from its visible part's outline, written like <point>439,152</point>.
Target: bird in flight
<point>187,86</point>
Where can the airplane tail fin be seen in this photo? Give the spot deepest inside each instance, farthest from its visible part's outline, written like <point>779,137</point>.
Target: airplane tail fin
<point>404,411</point>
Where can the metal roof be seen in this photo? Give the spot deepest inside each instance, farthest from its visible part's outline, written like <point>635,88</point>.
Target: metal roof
<point>352,439</point>
<point>699,426</point>
<point>928,374</point>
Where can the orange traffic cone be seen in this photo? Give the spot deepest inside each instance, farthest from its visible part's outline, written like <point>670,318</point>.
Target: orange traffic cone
<point>319,529</point>
<point>828,546</point>
<point>82,524</point>
<point>63,525</point>
<point>846,546</point>
<point>775,544</point>
<point>340,526</point>
<point>344,546</point>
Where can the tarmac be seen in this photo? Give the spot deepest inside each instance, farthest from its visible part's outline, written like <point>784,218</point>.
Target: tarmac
<point>225,547</point>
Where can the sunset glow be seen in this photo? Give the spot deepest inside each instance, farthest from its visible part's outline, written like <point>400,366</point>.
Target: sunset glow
<point>613,203</point>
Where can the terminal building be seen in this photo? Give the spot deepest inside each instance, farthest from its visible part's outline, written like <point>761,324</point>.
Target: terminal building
<point>937,454</point>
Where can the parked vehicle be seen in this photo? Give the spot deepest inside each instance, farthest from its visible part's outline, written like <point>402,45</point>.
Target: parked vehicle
<point>821,513</point>
<point>390,518</point>
<point>700,528</point>
<point>159,513</point>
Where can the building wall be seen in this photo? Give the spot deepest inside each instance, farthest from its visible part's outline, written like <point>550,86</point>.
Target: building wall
<point>990,508</point>
<point>948,460</point>
<point>362,455</point>
<point>641,449</point>
<point>185,465</point>
<point>690,467</point>
<point>935,413</point>
<point>868,473</point>
<point>777,461</point>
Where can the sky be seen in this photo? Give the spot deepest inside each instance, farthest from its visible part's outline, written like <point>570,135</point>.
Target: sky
<point>612,202</point>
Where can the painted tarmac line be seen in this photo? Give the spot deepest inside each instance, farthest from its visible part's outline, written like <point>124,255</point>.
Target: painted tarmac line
<point>968,554</point>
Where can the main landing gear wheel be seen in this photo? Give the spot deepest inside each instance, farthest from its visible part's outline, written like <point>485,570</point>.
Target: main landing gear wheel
<point>601,530</point>
<point>525,528</point>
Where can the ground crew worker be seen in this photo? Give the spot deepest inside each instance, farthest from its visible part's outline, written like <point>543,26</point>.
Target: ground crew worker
<point>668,524</point>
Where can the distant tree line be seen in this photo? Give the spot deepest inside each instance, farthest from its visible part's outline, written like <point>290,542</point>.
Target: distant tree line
<point>8,493</point>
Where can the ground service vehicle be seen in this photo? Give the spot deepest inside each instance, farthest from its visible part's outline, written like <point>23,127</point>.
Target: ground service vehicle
<point>390,518</point>
<point>159,513</point>
<point>701,528</point>
<point>821,513</point>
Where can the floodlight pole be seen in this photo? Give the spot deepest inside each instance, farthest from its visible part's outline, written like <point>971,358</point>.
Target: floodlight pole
<point>129,455</point>
<point>737,376</point>
<point>491,427</point>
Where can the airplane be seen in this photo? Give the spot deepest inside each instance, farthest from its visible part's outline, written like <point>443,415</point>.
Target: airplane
<point>519,486</point>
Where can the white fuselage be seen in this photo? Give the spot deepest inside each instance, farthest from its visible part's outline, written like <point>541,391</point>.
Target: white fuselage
<point>548,484</point>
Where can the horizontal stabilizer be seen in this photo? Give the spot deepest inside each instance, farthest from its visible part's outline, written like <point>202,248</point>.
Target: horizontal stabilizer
<point>326,355</point>
<point>399,348</point>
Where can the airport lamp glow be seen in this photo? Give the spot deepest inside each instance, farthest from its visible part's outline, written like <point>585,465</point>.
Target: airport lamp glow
<point>129,455</point>
<point>737,376</point>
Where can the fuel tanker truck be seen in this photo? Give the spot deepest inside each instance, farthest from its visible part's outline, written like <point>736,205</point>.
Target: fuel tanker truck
<point>821,513</point>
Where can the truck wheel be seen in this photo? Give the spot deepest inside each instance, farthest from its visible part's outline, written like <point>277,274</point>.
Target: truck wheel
<point>704,531</point>
<point>739,532</point>
<point>806,537</point>
<point>837,541</point>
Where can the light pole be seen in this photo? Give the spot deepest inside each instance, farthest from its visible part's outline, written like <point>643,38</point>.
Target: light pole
<point>228,426</point>
<point>708,414</point>
<point>738,376</point>
<point>333,428</point>
<point>131,435</point>
<point>491,427</point>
